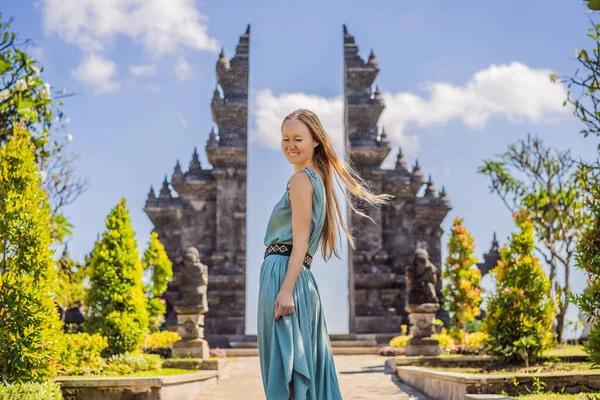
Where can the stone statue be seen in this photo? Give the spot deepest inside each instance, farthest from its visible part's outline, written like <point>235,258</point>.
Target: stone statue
<point>421,278</point>
<point>189,286</point>
<point>421,304</point>
<point>187,293</point>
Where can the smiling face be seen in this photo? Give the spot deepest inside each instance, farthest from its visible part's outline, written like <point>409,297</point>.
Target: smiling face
<point>297,142</point>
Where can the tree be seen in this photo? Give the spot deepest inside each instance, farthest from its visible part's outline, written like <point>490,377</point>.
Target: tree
<point>544,182</point>
<point>584,84</point>
<point>29,323</point>
<point>583,96</point>
<point>519,314</point>
<point>462,294</point>
<point>593,4</point>
<point>115,299</point>
<point>158,266</point>
<point>26,99</point>
<point>588,258</point>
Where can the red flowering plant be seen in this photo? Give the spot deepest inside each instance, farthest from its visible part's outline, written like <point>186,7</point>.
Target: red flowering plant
<point>462,294</point>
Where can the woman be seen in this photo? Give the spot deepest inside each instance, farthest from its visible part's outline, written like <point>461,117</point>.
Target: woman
<point>295,353</point>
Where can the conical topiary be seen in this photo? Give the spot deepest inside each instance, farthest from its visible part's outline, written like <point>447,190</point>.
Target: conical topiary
<point>115,300</point>
<point>520,312</point>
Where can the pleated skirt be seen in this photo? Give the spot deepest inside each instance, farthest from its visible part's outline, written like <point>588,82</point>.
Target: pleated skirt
<point>296,347</point>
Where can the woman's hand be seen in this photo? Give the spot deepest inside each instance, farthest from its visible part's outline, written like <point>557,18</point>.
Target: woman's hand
<point>284,304</point>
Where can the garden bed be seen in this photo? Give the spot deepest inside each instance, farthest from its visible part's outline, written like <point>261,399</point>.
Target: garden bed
<point>139,374</point>
<point>212,364</point>
<point>181,386</point>
<point>545,367</point>
<point>558,396</point>
<point>475,362</point>
<point>447,385</point>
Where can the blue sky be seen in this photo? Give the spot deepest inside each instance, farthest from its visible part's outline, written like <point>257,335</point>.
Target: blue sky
<point>461,80</point>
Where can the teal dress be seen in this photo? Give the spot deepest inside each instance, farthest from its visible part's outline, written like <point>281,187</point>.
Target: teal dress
<point>296,347</point>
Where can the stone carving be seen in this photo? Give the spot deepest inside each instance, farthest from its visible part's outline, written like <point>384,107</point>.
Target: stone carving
<point>421,280</point>
<point>187,290</point>
<point>422,304</point>
<point>187,294</point>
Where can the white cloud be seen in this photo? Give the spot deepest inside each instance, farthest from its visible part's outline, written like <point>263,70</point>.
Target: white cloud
<point>270,111</point>
<point>143,70</point>
<point>162,26</point>
<point>183,69</point>
<point>183,120</point>
<point>97,73</point>
<point>514,91</point>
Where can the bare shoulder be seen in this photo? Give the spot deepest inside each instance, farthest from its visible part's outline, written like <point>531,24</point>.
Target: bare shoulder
<point>301,182</point>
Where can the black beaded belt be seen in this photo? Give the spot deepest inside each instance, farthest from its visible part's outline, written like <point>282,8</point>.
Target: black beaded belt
<point>286,250</point>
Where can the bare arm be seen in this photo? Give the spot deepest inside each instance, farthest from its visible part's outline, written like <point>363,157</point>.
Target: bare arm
<point>301,194</point>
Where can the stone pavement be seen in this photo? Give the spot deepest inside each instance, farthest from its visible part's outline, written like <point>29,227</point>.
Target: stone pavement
<point>360,377</point>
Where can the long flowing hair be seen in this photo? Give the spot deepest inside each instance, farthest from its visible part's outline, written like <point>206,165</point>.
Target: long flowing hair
<point>331,166</point>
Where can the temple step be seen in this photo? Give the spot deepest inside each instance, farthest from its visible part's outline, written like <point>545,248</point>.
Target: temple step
<point>243,345</point>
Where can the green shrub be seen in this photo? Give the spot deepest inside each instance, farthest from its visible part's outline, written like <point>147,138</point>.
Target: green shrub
<point>400,341</point>
<point>445,339</point>
<point>520,313</point>
<point>118,369</point>
<point>592,345</point>
<point>157,264</point>
<point>117,306</point>
<point>29,323</point>
<point>81,354</point>
<point>134,362</point>
<point>162,340</point>
<point>588,259</point>
<point>156,311</point>
<point>474,326</point>
<point>30,391</point>
<point>475,339</point>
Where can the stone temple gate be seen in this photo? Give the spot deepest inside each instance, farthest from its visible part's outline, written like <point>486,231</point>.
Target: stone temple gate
<point>209,209</point>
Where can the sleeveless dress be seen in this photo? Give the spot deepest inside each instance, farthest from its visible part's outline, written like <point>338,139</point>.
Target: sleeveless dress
<point>296,347</point>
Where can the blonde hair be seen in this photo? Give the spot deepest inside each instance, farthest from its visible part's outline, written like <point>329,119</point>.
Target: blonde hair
<point>330,165</point>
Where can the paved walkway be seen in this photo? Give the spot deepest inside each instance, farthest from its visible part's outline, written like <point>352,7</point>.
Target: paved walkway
<point>360,377</point>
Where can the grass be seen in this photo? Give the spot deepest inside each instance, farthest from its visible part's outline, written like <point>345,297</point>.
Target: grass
<point>565,350</point>
<point>444,355</point>
<point>558,351</point>
<point>558,396</point>
<point>160,372</point>
<point>580,367</point>
<point>141,374</point>
<point>209,358</point>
